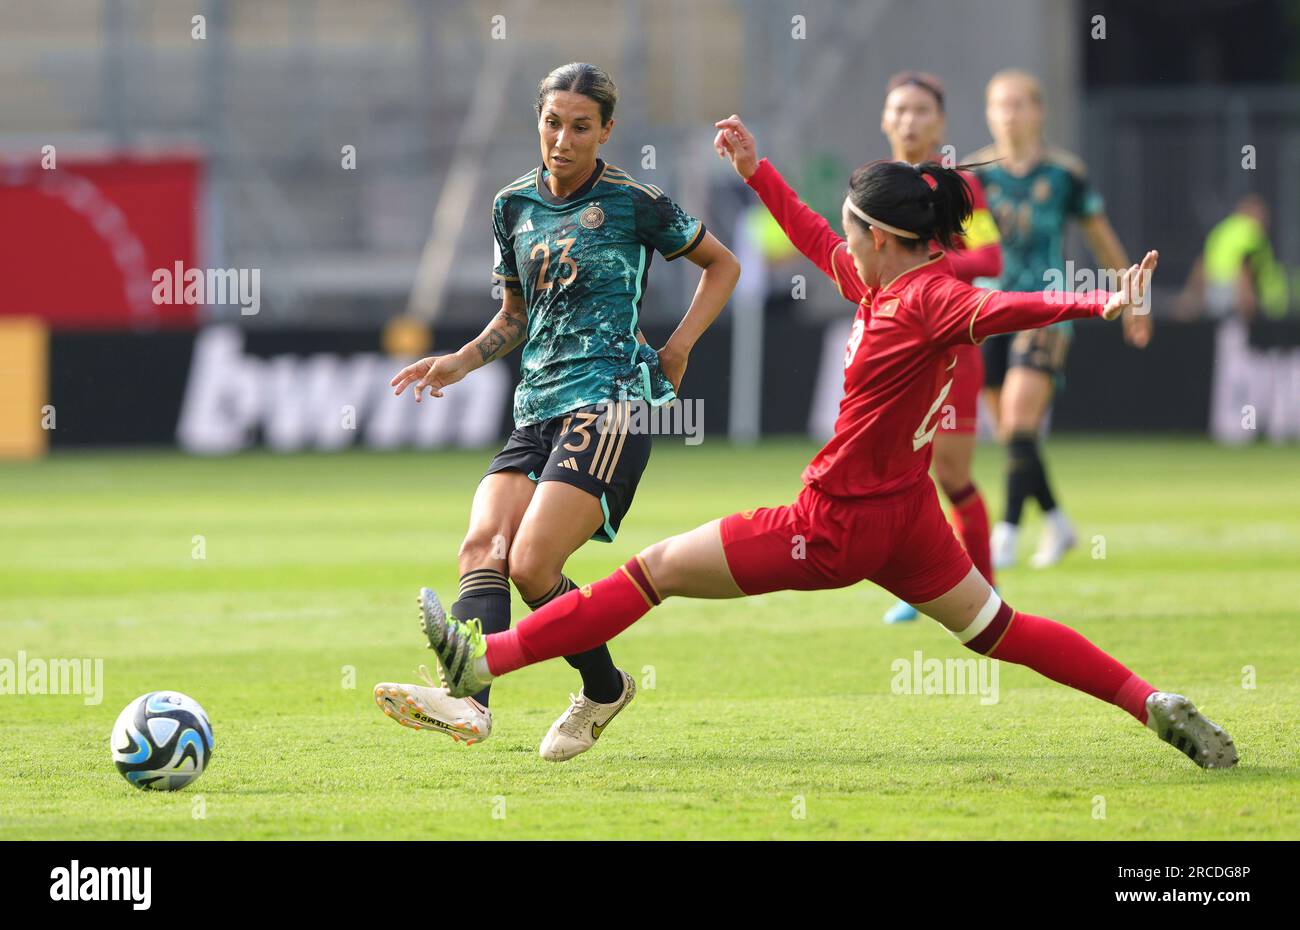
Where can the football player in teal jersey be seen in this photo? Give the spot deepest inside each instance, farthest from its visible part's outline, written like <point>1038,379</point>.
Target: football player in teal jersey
<point>574,241</point>
<point>1033,192</point>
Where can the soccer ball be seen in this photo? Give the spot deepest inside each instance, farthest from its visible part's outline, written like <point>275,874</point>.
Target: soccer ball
<point>162,741</point>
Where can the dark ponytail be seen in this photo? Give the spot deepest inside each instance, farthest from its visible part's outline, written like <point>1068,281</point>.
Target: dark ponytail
<point>929,200</point>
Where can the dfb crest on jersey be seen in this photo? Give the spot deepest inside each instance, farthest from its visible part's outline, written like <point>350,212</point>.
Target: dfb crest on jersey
<point>592,217</point>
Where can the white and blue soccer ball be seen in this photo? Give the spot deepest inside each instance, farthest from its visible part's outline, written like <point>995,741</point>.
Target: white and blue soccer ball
<point>162,741</point>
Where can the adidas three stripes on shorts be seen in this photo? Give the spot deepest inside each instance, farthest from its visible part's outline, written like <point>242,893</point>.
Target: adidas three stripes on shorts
<point>598,449</point>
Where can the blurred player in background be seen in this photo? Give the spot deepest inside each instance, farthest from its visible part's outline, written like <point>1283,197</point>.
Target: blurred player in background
<point>913,122</point>
<point>1236,274</point>
<point>574,241</point>
<point>868,509</point>
<point>1034,191</point>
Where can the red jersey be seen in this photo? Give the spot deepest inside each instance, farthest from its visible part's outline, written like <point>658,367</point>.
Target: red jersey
<point>900,355</point>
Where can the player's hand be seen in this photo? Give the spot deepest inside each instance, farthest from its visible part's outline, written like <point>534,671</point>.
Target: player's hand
<point>1137,328</point>
<point>433,372</point>
<point>673,364</point>
<point>1132,288</point>
<point>737,143</point>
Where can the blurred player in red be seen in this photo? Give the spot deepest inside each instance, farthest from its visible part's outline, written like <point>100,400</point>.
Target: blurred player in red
<point>868,510</point>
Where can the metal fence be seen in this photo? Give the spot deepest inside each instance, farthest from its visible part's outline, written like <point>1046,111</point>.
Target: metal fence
<point>1173,162</point>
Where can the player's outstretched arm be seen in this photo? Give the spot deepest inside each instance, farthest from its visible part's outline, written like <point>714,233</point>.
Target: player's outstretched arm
<point>721,272</point>
<point>975,315</point>
<point>806,228</point>
<point>500,337</point>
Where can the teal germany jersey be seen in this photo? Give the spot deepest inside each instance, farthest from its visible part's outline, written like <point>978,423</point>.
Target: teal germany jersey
<point>582,263</point>
<point>1032,212</point>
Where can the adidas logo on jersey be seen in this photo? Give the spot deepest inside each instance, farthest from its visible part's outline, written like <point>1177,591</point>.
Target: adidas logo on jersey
<point>570,462</point>
<point>525,226</point>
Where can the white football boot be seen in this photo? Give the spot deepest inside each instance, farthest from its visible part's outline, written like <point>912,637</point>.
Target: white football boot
<point>1057,538</point>
<point>1003,544</point>
<point>581,725</point>
<point>427,707</point>
<point>1177,721</point>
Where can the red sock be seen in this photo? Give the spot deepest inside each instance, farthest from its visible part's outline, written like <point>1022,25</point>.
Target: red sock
<point>971,521</point>
<point>1063,655</point>
<point>580,620</point>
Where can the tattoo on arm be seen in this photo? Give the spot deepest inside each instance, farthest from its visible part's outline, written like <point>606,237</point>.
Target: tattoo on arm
<point>506,331</point>
<point>490,345</point>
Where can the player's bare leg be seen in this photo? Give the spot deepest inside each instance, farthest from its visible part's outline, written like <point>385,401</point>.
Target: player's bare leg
<point>559,521</point>
<point>500,502</point>
<point>692,564</point>
<point>967,510</point>
<point>954,454</point>
<point>975,614</point>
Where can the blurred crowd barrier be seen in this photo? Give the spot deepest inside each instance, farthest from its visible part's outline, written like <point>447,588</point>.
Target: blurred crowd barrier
<point>221,389</point>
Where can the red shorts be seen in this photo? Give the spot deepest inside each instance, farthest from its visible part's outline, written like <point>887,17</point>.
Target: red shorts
<point>901,542</point>
<point>967,380</point>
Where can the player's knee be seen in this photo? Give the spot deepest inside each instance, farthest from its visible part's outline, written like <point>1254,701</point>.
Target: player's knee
<point>531,572</point>
<point>979,624</point>
<point>1022,421</point>
<point>659,566</point>
<point>1005,426</point>
<point>952,473</point>
<point>483,547</point>
<point>1019,420</point>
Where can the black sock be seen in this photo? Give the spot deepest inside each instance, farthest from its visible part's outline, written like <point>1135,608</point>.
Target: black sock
<point>1026,476</point>
<point>1046,499</point>
<point>1022,474</point>
<point>484,596</point>
<point>601,681</point>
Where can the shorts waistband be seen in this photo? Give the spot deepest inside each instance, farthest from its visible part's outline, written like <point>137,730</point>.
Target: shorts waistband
<point>907,492</point>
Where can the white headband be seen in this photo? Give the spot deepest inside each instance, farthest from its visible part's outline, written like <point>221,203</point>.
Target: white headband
<point>871,221</point>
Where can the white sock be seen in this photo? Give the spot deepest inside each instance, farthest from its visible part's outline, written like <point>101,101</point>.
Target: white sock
<point>481,669</point>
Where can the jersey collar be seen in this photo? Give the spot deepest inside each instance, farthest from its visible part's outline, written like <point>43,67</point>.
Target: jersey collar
<point>934,257</point>
<point>545,192</point>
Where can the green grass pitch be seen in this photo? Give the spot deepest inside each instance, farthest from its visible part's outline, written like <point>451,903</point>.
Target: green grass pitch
<point>771,717</point>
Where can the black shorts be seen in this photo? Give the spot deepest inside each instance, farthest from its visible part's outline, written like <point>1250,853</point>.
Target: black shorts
<point>1042,350</point>
<point>591,448</point>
